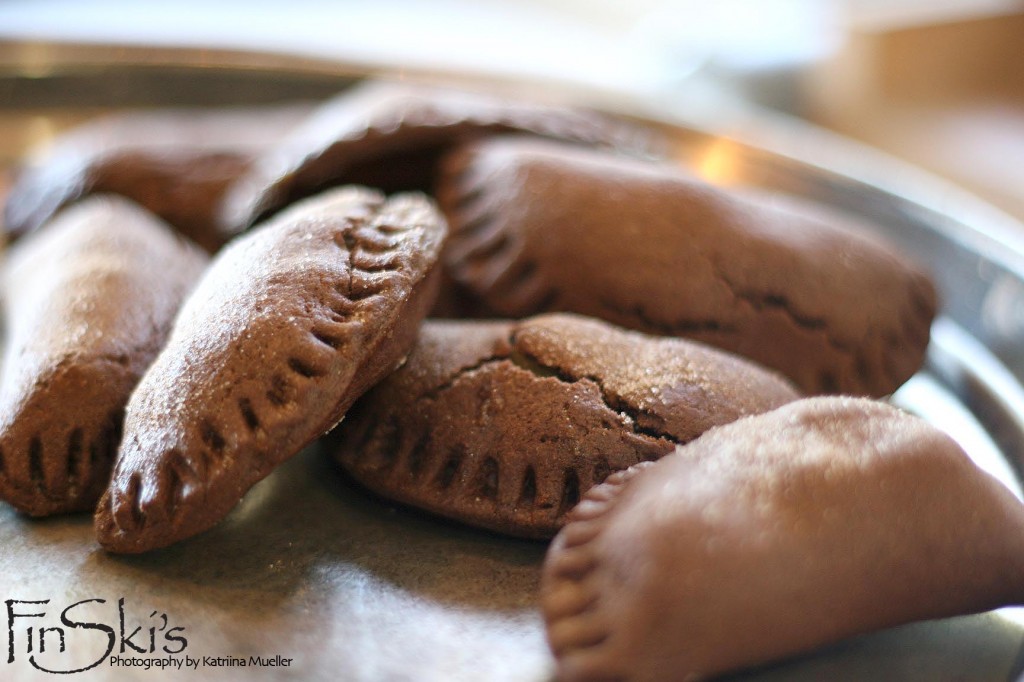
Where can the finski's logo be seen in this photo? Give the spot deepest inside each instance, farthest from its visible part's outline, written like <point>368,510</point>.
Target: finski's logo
<point>80,636</point>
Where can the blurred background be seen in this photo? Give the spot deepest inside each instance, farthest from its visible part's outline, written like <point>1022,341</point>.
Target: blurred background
<point>939,83</point>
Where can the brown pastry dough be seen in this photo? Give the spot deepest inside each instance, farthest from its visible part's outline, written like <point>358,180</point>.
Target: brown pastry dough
<point>390,135</point>
<point>775,535</point>
<point>538,226</point>
<point>176,163</point>
<point>289,326</point>
<point>504,424</point>
<point>89,300</point>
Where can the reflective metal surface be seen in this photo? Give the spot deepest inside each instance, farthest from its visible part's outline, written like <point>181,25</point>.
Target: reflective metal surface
<point>331,583</point>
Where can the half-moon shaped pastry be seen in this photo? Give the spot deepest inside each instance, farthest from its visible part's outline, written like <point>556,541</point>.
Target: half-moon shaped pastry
<point>88,302</point>
<point>175,163</point>
<point>390,135</point>
<point>775,535</point>
<point>291,323</point>
<point>503,425</point>
<point>538,226</point>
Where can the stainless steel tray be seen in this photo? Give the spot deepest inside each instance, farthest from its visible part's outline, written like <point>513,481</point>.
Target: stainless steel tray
<point>311,569</point>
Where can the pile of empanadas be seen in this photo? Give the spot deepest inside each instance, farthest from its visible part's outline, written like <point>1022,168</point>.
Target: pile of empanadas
<point>503,312</point>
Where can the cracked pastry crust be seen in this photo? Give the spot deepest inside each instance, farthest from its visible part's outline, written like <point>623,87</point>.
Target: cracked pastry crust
<point>176,163</point>
<point>291,323</point>
<point>504,425</point>
<point>537,226</point>
<point>390,135</point>
<point>88,302</point>
<point>775,535</point>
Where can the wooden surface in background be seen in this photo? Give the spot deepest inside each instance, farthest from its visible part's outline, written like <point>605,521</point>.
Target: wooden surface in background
<point>947,96</point>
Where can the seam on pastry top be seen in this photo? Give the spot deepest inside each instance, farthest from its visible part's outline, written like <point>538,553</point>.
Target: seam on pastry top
<point>631,415</point>
<point>760,302</point>
<point>854,350</point>
<point>433,393</point>
<point>757,300</point>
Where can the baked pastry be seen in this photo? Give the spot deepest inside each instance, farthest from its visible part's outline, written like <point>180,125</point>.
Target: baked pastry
<point>503,425</point>
<point>291,323</point>
<point>389,135</point>
<point>775,535</point>
<point>88,301</point>
<point>176,163</point>
<point>538,226</point>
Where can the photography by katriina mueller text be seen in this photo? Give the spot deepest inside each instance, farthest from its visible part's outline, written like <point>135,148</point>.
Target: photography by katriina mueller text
<point>65,639</point>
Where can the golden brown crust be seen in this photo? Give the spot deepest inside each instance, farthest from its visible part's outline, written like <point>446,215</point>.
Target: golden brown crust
<point>504,424</point>
<point>772,536</point>
<point>291,323</point>
<point>89,300</point>
<point>538,226</point>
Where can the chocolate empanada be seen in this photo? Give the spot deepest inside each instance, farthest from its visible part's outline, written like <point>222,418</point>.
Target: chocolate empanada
<point>390,135</point>
<point>538,226</point>
<point>504,424</point>
<point>175,163</point>
<point>291,323</point>
<point>775,535</point>
<point>89,300</point>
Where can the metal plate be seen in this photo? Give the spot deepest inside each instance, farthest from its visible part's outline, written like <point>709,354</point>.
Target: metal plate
<point>345,587</point>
